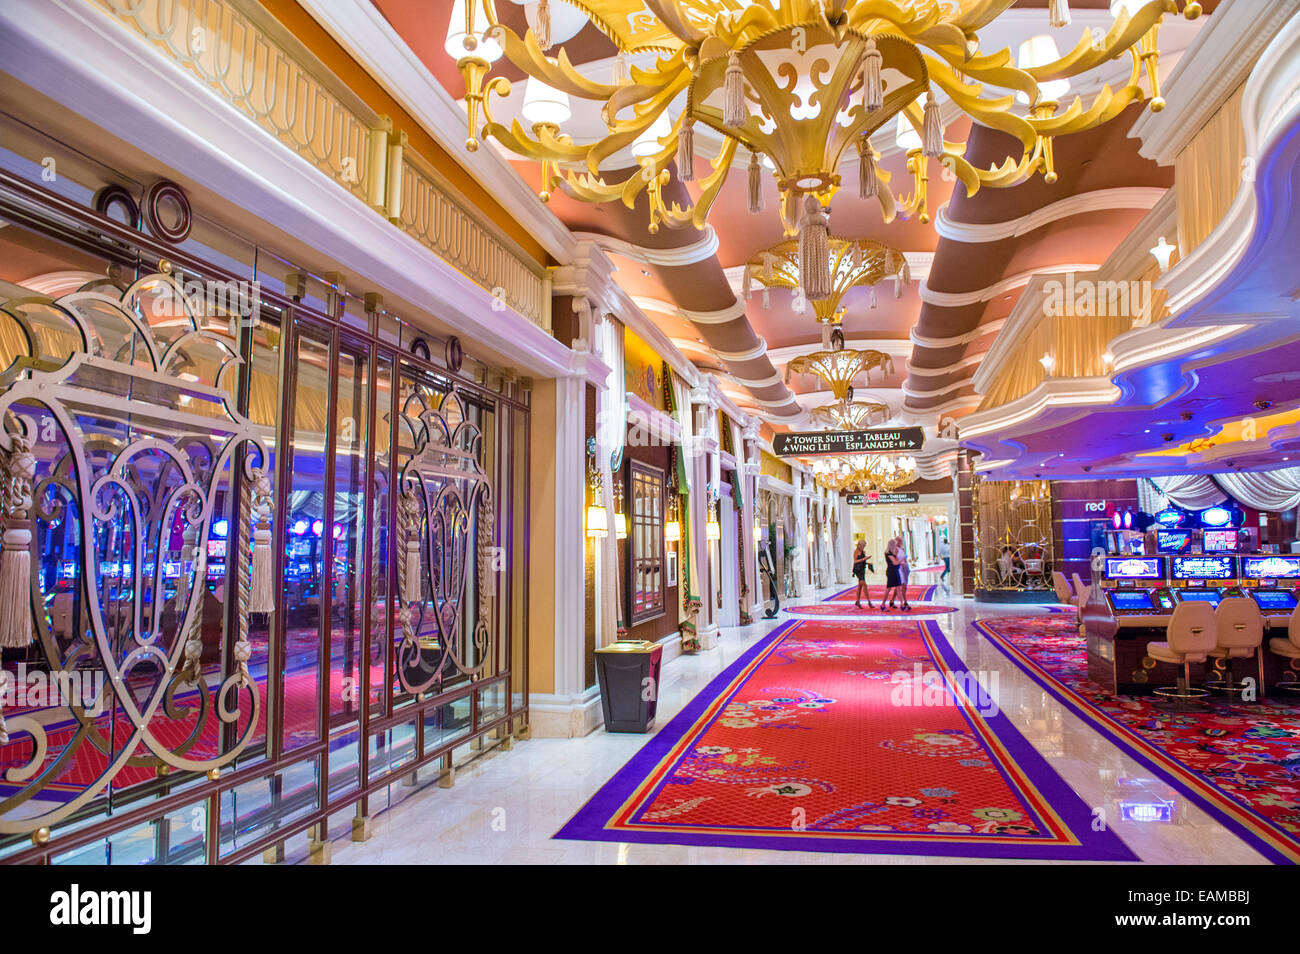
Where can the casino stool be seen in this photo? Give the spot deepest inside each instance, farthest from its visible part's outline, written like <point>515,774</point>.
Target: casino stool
<point>1239,629</point>
<point>1191,637</point>
<point>1082,591</point>
<point>1062,587</point>
<point>1289,649</point>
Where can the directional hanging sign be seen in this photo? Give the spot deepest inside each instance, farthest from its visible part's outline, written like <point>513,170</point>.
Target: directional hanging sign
<point>862,500</point>
<point>883,440</point>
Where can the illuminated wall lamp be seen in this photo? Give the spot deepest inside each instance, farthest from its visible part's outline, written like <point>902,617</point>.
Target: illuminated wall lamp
<point>1048,362</point>
<point>672,531</point>
<point>712,531</point>
<point>620,525</point>
<point>597,521</point>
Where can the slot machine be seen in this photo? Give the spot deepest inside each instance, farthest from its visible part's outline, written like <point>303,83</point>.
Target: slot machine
<point>1136,590</point>
<point>1205,577</point>
<point>1273,582</point>
<point>1131,607</point>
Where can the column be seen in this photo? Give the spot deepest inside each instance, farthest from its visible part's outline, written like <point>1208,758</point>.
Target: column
<point>704,467</point>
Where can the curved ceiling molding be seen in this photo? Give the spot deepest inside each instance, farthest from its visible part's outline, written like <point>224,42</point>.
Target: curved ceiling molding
<point>988,328</point>
<point>989,292</point>
<point>756,352</point>
<point>757,382</point>
<point>1124,197</point>
<point>698,251</point>
<point>966,362</point>
<point>719,317</point>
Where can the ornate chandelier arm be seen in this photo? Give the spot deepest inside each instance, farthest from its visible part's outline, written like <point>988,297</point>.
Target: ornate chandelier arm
<point>558,73</point>
<point>993,113</point>
<point>994,70</point>
<point>698,214</point>
<point>671,15</point>
<point>1123,34</point>
<point>910,19</point>
<point>624,131</point>
<point>980,14</point>
<point>1104,108</point>
<point>647,84</point>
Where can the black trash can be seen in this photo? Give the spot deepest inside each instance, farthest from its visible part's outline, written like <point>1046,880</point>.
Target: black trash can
<point>628,672</point>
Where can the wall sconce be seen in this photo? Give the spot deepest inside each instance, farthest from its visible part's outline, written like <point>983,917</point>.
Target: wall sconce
<point>1163,251</point>
<point>758,534</point>
<point>673,525</point>
<point>712,530</point>
<point>620,519</point>
<point>597,521</point>
<point>1048,362</point>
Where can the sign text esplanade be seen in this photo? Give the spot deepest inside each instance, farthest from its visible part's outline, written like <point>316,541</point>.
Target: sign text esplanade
<point>883,440</point>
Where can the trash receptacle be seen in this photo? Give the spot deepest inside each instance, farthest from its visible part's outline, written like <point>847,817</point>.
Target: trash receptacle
<point>628,672</point>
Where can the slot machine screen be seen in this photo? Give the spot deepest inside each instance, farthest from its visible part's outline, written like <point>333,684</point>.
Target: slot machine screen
<point>1134,568</point>
<point>1174,541</point>
<point>1220,541</point>
<point>1200,596</point>
<point>1274,599</point>
<point>1271,567</point>
<point>1204,568</point>
<point>216,549</point>
<point>1128,601</point>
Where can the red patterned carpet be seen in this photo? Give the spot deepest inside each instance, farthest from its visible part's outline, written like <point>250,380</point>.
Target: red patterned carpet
<point>916,593</point>
<point>843,608</point>
<point>1240,762</point>
<point>822,737</point>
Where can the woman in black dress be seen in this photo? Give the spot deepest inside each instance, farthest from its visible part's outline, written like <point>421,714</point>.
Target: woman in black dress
<point>893,579</point>
<point>860,559</point>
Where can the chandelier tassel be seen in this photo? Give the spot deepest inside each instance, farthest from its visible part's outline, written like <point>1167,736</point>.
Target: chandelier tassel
<point>755,183</point>
<point>826,336</point>
<point>873,92</point>
<point>907,272</point>
<point>873,296</point>
<point>749,277</point>
<point>621,75</point>
<point>544,24</point>
<point>18,471</point>
<point>686,152</point>
<point>898,285</point>
<point>868,188</point>
<point>733,93</point>
<point>1059,13</point>
<point>767,297</point>
<point>814,251</point>
<point>932,128</point>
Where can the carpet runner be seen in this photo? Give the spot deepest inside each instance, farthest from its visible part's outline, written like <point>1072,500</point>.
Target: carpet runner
<point>844,608</point>
<point>1240,762</point>
<point>917,592</point>
<point>821,737</point>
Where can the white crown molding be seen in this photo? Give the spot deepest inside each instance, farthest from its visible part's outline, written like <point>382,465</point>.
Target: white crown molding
<point>719,317</point>
<point>1051,392</point>
<point>1219,59</point>
<point>97,68</point>
<point>931,392</point>
<point>966,362</point>
<point>756,382</point>
<point>894,347</point>
<point>989,292</point>
<point>1270,107</point>
<point>755,352</point>
<point>705,248</point>
<point>980,331</point>
<point>1128,197</point>
<point>360,28</point>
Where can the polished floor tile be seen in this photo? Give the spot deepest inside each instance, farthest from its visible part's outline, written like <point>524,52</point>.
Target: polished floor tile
<point>505,806</point>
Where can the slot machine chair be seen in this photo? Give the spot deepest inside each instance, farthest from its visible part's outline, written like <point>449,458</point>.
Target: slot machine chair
<point>1062,587</point>
<point>1239,629</point>
<point>1082,590</point>
<point>1289,649</point>
<point>1191,635</point>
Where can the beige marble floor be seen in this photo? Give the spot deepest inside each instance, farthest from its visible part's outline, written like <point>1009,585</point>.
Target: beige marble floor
<point>505,807</point>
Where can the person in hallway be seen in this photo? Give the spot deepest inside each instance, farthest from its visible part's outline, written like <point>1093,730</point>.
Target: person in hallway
<point>945,554</point>
<point>904,571</point>
<point>860,563</point>
<point>892,572</point>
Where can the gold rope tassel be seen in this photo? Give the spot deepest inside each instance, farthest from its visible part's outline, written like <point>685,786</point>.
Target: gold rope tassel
<point>747,283</point>
<point>686,152</point>
<point>814,251</point>
<point>873,90</point>
<point>868,187</point>
<point>873,296</point>
<point>826,337</point>
<point>19,470</point>
<point>932,128</point>
<point>621,75</point>
<point>544,24</point>
<point>733,93</point>
<point>261,598</point>
<point>755,183</point>
<point>1058,13</point>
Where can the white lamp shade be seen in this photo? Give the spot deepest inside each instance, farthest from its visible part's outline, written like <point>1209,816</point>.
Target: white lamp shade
<point>672,531</point>
<point>566,21</point>
<point>647,144</point>
<point>1039,51</point>
<point>489,50</point>
<point>620,526</point>
<point>597,521</point>
<point>905,135</point>
<point>545,104</point>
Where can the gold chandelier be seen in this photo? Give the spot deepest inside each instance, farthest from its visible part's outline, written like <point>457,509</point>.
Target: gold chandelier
<point>852,263</point>
<point>848,415</point>
<point>839,368</point>
<point>864,473</point>
<point>796,83</point>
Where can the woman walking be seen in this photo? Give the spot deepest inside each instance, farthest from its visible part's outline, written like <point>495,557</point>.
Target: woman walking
<point>904,571</point>
<point>860,559</point>
<point>892,564</point>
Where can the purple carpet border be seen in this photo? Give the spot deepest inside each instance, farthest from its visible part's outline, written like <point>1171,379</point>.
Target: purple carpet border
<point>1055,690</point>
<point>588,823</point>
